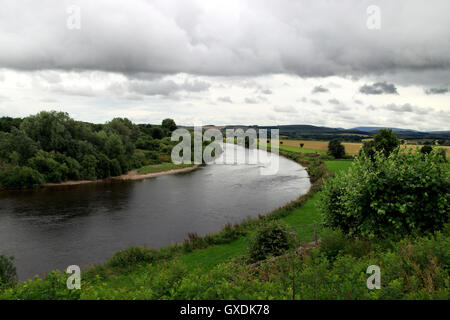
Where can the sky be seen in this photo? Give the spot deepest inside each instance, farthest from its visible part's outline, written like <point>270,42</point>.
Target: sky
<point>343,63</point>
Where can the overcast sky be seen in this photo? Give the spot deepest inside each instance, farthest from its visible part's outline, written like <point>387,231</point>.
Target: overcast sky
<point>329,63</point>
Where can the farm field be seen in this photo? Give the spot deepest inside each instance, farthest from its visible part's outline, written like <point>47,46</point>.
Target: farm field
<point>351,148</point>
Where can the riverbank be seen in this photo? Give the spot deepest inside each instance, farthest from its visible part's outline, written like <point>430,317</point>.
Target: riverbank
<point>132,175</point>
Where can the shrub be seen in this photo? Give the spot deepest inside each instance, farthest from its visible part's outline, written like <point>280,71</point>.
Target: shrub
<point>336,149</point>
<point>401,194</point>
<point>272,239</point>
<point>132,256</point>
<point>8,273</point>
<point>21,178</point>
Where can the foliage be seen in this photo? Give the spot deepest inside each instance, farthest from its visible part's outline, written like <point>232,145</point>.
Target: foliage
<point>272,239</point>
<point>20,178</point>
<point>58,148</point>
<point>384,141</point>
<point>132,256</point>
<point>8,273</point>
<point>336,149</point>
<point>402,194</point>
<point>426,149</point>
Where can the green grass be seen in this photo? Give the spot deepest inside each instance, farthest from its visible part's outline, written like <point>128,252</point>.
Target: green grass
<point>162,167</point>
<point>295,149</point>
<point>338,165</point>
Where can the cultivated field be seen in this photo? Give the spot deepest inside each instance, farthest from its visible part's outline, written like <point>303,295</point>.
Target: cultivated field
<point>350,147</point>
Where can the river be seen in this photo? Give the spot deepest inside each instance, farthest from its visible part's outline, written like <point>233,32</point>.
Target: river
<point>53,228</point>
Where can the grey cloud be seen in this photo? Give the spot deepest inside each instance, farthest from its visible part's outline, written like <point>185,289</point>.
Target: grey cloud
<point>156,87</point>
<point>358,102</point>
<point>250,101</point>
<point>267,91</point>
<point>334,101</point>
<point>407,108</point>
<point>189,37</point>
<point>287,109</point>
<point>319,89</point>
<point>379,88</point>
<point>225,99</point>
<point>316,102</point>
<point>436,90</point>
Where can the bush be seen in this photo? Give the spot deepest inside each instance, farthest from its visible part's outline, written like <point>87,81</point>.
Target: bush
<point>8,273</point>
<point>336,149</point>
<point>398,195</point>
<point>271,239</point>
<point>21,178</point>
<point>133,256</point>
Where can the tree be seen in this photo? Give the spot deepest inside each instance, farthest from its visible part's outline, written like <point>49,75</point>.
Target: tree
<point>301,145</point>
<point>384,141</point>
<point>157,133</point>
<point>169,124</point>
<point>426,149</point>
<point>336,149</point>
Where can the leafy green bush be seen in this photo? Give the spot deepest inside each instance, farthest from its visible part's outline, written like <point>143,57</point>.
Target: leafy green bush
<point>52,287</point>
<point>272,239</point>
<point>398,195</point>
<point>132,256</point>
<point>21,178</point>
<point>8,273</point>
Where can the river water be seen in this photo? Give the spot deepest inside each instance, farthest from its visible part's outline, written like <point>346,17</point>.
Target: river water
<point>82,225</point>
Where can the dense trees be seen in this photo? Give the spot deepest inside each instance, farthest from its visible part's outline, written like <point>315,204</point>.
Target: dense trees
<point>52,147</point>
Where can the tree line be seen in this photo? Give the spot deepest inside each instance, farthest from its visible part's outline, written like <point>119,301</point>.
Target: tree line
<point>51,147</point>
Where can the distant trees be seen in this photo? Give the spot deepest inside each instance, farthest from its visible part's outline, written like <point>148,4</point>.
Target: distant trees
<point>384,141</point>
<point>52,147</point>
<point>169,125</point>
<point>426,149</point>
<point>336,149</point>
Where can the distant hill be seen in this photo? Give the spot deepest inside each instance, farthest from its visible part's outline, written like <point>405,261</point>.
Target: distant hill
<point>370,129</point>
<point>301,131</point>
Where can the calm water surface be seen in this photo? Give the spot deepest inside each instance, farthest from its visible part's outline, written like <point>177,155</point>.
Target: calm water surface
<point>53,228</point>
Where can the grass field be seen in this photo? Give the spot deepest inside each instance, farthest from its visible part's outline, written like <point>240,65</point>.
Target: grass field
<point>162,167</point>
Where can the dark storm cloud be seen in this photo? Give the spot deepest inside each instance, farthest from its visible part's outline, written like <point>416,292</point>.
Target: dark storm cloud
<point>319,89</point>
<point>436,91</point>
<point>249,37</point>
<point>379,88</point>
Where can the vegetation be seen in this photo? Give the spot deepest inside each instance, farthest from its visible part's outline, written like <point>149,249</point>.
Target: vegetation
<point>401,194</point>
<point>51,147</point>
<point>271,240</point>
<point>336,149</point>
<point>8,273</point>
<point>385,141</point>
<point>162,167</point>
